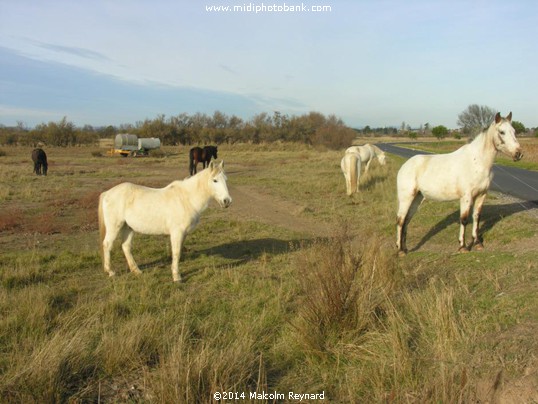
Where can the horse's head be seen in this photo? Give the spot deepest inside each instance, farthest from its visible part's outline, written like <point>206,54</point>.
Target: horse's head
<point>504,137</point>
<point>214,152</point>
<point>217,184</point>
<point>381,158</point>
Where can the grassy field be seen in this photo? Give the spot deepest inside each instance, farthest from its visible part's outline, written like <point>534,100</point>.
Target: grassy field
<point>304,294</point>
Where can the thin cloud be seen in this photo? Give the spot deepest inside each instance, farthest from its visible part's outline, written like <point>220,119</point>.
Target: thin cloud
<point>228,69</point>
<point>71,50</point>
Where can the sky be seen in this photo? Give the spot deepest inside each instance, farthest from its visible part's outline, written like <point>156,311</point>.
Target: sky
<point>369,62</point>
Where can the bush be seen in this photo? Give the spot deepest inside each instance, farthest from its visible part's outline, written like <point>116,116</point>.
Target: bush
<point>440,131</point>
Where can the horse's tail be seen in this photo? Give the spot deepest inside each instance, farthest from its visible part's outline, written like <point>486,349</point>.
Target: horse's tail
<point>102,226</point>
<point>191,161</point>
<point>44,162</point>
<point>353,174</point>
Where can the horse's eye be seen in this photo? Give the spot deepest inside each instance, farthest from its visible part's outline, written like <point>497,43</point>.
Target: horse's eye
<point>215,181</point>
<point>501,132</point>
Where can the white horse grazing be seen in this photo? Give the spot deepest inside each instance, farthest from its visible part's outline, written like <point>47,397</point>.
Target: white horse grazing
<point>173,210</point>
<point>368,152</point>
<point>464,174</point>
<point>351,167</point>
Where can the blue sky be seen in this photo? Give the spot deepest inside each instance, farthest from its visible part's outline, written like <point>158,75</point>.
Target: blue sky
<point>377,63</point>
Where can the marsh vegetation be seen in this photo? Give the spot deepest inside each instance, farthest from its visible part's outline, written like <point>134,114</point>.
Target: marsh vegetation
<point>295,287</point>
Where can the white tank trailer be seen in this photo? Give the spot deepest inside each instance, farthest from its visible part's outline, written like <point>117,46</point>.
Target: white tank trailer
<point>127,144</point>
<point>149,143</point>
<point>126,141</point>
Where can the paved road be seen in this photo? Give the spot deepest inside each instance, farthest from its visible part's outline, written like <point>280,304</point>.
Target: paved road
<point>522,184</point>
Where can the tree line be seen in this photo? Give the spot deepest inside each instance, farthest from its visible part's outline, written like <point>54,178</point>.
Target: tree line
<point>313,128</point>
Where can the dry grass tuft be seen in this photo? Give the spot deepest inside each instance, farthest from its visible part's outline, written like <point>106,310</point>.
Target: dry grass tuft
<point>11,219</point>
<point>344,289</point>
<point>360,319</point>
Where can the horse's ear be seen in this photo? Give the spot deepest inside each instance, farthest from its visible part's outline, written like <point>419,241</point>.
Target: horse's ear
<point>221,165</point>
<point>211,165</point>
<point>509,117</point>
<point>498,117</point>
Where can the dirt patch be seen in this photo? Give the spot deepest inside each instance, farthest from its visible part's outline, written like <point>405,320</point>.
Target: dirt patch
<point>251,203</point>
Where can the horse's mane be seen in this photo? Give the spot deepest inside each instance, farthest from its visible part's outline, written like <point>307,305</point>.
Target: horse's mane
<point>377,149</point>
<point>484,133</point>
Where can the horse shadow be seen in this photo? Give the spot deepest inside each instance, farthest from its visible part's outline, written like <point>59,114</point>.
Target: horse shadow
<point>241,252</point>
<point>491,215</point>
<point>369,180</point>
<point>237,253</point>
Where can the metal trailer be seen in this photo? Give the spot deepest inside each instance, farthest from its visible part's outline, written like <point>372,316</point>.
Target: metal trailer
<point>126,144</point>
<point>146,144</point>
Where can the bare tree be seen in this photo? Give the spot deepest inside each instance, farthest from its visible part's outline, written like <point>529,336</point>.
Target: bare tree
<point>475,118</point>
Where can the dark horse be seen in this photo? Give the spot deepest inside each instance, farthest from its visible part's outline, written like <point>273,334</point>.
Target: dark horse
<point>39,157</point>
<point>197,155</point>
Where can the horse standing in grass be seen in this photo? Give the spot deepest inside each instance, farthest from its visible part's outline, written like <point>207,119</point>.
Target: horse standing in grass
<point>351,167</point>
<point>173,210</point>
<point>464,174</point>
<point>197,155</point>
<point>39,157</point>
<point>368,152</point>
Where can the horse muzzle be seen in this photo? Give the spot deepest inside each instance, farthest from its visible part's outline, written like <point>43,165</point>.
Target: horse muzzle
<point>518,156</point>
<point>225,202</point>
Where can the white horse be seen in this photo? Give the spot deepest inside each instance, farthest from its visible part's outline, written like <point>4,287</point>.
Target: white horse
<point>173,210</point>
<point>368,152</point>
<point>464,174</point>
<point>351,167</point>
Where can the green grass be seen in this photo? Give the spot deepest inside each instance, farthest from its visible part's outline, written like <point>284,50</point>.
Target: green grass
<point>263,307</point>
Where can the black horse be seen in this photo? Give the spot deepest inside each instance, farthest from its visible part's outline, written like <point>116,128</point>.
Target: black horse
<point>197,155</point>
<point>39,157</point>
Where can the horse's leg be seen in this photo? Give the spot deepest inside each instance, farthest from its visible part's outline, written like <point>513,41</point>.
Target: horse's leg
<point>358,173</point>
<point>348,183</point>
<point>108,242</point>
<point>367,166</point>
<point>477,210</point>
<point>127,241</point>
<point>176,240</point>
<point>466,203</point>
<point>407,207</point>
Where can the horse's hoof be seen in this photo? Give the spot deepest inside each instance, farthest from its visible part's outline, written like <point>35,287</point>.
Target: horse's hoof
<point>463,250</point>
<point>479,246</point>
<point>402,253</point>
<point>111,274</point>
